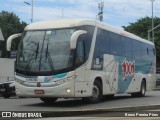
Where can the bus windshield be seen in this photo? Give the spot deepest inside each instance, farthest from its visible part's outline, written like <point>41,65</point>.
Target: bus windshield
<point>45,50</point>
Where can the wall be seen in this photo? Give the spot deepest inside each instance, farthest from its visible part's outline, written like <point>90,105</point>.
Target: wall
<point>7,68</point>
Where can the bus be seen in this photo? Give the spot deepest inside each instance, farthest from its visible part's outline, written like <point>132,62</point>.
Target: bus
<point>78,58</point>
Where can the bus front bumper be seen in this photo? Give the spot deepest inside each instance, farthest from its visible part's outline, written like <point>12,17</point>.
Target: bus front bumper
<point>65,90</point>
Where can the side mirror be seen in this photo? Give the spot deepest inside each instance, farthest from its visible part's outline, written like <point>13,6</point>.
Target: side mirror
<point>9,40</point>
<point>74,38</point>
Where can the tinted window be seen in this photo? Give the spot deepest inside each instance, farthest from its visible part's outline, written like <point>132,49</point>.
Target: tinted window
<point>151,50</point>
<point>101,48</point>
<point>136,48</point>
<point>144,50</point>
<point>87,38</point>
<point>102,42</point>
<point>126,47</point>
<point>80,57</point>
<point>115,43</point>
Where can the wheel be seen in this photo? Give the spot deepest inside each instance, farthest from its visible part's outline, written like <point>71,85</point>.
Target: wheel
<point>142,91</point>
<point>48,100</point>
<point>96,93</point>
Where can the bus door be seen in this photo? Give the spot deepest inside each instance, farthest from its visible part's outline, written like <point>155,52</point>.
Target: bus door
<point>80,83</point>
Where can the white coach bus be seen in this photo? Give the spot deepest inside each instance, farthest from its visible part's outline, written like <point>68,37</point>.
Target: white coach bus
<point>75,58</point>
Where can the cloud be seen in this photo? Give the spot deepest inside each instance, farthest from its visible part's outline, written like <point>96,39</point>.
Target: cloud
<point>116,12</point>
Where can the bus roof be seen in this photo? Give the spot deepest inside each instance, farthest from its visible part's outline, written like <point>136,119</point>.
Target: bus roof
<point>67,23</point>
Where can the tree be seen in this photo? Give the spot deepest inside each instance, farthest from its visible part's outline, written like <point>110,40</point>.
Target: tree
<point>10,24</point>
<point>141,27</point>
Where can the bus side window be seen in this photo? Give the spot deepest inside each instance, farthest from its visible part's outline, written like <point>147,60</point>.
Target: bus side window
<point>115,44</point>
<point>147,51</point>
<point>80,52</point>
<point>151,51</point>
<point>126,47</point>
<point>154,51</point>
<point>136,49</point>
<point>144,50</point>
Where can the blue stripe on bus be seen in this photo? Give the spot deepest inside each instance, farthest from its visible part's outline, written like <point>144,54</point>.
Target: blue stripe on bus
<point>49,78</point>
<point>60,75</point>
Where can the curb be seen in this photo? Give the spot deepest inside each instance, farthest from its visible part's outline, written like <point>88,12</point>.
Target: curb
<point>99,111</point>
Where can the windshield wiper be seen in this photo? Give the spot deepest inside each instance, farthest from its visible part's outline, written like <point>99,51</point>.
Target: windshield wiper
<point>30,61</point>
<point>37,52</point>
<point>46,52</point>
<point>50,61</point>
<point>33,56</point>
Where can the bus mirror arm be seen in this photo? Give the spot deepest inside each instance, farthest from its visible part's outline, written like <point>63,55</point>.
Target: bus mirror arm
<point>74,38</point>
<point>9,40</point>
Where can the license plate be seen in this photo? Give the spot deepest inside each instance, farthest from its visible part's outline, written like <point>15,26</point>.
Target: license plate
<point>39,91</point>
<point>2,90</point>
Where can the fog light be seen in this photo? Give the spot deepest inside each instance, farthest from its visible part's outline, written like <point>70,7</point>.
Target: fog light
<point>68,90</point>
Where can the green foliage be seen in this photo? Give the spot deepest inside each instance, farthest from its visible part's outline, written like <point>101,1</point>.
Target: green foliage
<point>10,24</point>
<point>141,27</point>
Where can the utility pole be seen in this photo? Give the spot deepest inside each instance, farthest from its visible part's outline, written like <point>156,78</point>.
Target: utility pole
<point>152,21</point>
<point>100,13</point>
<point>151,31</point>
<point>62,13</point>
<point>32,12</point>
<point>30,4</point>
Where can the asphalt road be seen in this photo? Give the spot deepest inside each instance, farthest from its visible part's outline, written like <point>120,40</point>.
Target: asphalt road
<point>35,104</point>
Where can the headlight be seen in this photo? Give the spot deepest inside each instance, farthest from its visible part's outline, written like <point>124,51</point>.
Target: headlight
<point>68,90</point>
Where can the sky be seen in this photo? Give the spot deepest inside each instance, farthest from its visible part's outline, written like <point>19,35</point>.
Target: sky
<point>116,12</point>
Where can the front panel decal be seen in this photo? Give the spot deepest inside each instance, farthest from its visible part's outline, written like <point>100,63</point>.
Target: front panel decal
<point>128,68</point>
<point>126,73</point>
<point>47,79</point>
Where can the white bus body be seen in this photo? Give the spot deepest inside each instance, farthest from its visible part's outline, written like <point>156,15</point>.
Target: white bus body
<point>75,58</point>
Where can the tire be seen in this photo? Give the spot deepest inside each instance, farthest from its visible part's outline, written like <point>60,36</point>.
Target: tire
<point>142,90</point>
<point>48,100</point>
<point>96,93</point>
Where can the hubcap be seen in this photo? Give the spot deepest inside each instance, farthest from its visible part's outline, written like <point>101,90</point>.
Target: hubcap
<point>95,92</point>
